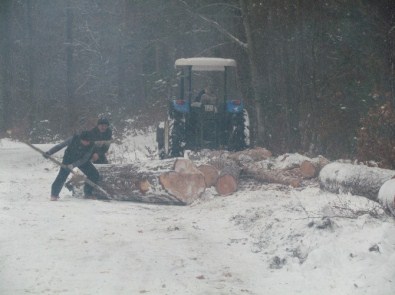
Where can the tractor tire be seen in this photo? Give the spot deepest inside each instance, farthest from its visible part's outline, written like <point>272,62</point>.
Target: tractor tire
<point>239,134</point>
<point>176,136</point>
<point>170,137</point>
<point>160,140</point>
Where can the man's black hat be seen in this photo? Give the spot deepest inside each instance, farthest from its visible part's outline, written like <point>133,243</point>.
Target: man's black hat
<point>86,135</point>
<point>103,121</point>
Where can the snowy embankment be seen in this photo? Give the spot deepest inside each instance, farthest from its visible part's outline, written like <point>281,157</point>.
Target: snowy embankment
<point>264,239</point>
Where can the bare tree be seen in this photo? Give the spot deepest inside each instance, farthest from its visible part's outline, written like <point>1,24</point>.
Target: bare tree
<point>6,65</point>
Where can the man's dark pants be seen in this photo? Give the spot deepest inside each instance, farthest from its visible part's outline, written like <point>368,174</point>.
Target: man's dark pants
<point>88,169</point>
<point>102,159</point>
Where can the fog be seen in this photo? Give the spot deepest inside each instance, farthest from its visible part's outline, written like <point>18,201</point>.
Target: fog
<point>309,71</point>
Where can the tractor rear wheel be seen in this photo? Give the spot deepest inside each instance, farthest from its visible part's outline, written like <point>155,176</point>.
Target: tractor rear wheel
<point>160,139</point>
<point>176,132</point>
<point>239,133</point>
<point>170,136</point>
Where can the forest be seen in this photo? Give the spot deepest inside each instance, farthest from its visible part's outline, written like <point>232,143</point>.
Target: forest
<point>317,76</point>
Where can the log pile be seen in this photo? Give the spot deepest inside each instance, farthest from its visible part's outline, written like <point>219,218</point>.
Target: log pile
<point>181,181</point>
<point>359,180</point>
<point>185,181</point>
<point>374,183</point>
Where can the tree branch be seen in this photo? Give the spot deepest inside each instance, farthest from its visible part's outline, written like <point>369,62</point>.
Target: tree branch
<point>216,25</point>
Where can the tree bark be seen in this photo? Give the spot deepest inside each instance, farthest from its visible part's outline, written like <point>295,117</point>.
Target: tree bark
<point>260,173</point>
<point>31,64</point>
<point>311,168</point>
<point>259,134</point>
<point>227,182</point>
<point>186,187</point>
<point>255,154</point>
<point>210,174</point>
<point>132,183</point>
<point>386,196</point>
<point>150,183</point>
<point>6,66</point>
<point>70,66</point>
<point>355,179</point>
<point>185,166</point>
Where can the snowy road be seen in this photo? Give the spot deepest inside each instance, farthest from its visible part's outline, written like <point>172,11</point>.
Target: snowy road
<point>261,240</point>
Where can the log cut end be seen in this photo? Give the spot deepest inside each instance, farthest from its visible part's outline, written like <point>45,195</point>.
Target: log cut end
<point>308,169</point>
<point>226,185</point>
<point>144,186</point>
<point>186,187</point>
<point>210,174</point>
<point>182,165</point>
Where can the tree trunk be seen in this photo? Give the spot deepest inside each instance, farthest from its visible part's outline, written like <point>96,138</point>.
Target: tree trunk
<point>31,65</point>
<point>386,196</point>
<point>132,183</point>
<point>311,168</point>
<point>186,187</point>
<point>69,66</point>
<point>150,184</point>
<point>355,179</point>
<point>6,66</point>
<point>227,182</point>
<point>210,174</point>
<point>259,135</point>
<point>185,166</point>
<point>255,154</point>
<point>260,173</point>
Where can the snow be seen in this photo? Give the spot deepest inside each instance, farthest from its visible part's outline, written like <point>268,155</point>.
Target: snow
<point>206,63</point>
<point>386,195</point>
<point>264,239</point>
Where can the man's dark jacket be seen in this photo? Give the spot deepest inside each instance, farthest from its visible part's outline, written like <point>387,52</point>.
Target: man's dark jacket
<point>101,136</point>
<point>76,153</point>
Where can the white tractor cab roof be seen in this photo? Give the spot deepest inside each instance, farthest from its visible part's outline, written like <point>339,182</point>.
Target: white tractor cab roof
<point>206,63</point>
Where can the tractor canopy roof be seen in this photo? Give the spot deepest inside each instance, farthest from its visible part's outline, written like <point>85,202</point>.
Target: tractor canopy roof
<point>206,63</point>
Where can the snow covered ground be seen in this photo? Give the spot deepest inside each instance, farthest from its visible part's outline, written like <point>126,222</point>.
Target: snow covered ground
<point>264,239</point>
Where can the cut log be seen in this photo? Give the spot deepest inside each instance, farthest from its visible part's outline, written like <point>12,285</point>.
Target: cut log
<point>312,167</point>
<point>251,155</point>
<point>227,182</point>
<point>182,165</point>
<point>131,182</point>
<point>386,196</point>
<point>308,169</point>
<point>259,172</point>
<point>245,156</point>
<point>186,187</point>
<point>210,174</point>
<point>355,179</point>
<point>152,183</point>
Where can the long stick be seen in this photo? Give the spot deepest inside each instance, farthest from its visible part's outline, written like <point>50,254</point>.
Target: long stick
<point>88,181</point>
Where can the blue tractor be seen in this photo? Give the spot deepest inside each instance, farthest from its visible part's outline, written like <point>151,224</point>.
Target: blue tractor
<point>208,112</point>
